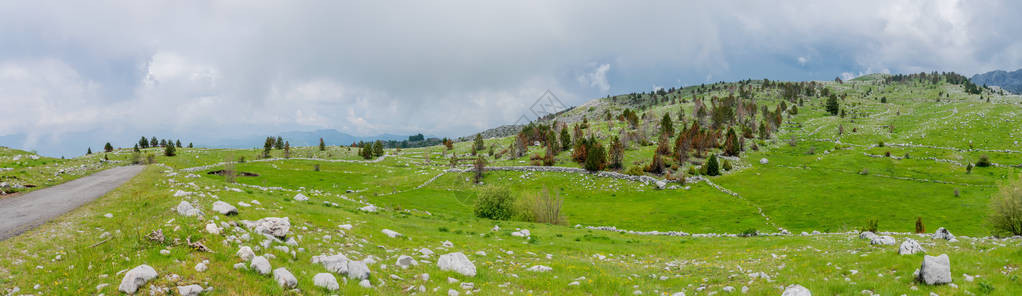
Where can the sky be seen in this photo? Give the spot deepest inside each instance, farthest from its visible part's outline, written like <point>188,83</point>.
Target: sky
<point>80,73</point>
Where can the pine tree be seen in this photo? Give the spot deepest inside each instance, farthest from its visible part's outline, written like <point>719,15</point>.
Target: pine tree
<point>617,152</point>
<point>178,144</point>
<point>565,139</point>
<point>279,143</point>
<point>153,142</point>
<point>378,148</point>
<point>190,145</point>
<point>478,143</point>
<point>108,147</point>
<point>596,156</point>
<point>287,149</point>
<point>832,105</point>
<point>267,145</point>
<point>136,148</point>
<point>322,145</point>
<point>169,150</point>
<point>89,152</point>
<point>143,143</point>
<point>666,126</point>
<point>732,145</point>
<point>712,168</point>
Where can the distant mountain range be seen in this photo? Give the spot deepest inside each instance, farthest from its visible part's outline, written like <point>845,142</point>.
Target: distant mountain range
<point>75,144</point>
<point>1009,81</point>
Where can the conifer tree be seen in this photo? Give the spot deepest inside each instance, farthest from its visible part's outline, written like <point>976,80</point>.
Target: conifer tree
<point>712,168</point>
<point>565,139</point>
<point>478,143</point>
<point>108,147</point>
<point>178,144</point>
<point>143,143</point>
<point>279,143</point>
<point>666,126</point>
<point>732,145</point>
<point>153,142</point>
<point>378,148</point>
<point>287,149</point>
<point>89,152</point>
<point>322,145</point>
<point>169,150</point>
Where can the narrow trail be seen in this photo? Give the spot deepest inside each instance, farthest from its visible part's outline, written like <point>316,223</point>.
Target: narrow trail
<point>735,194</point>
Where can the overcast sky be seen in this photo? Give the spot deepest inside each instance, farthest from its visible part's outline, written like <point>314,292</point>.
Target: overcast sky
<point>448,68</point>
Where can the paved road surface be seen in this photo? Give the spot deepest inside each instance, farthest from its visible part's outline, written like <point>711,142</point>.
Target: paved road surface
<point>21,213</point>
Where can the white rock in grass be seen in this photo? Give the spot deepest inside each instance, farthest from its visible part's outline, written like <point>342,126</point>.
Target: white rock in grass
<point>274,226</point>
<point>212,228</point>
<point>425,252</point>
<point>136,277</point>
<point>867,235</point>
<point>453,292</point>
<point>201,267</point>
<point>763,161</point>
<point>910,246</point>
<point>224,208</point>
<point>344,226</point>
<point>365,284</point>
<point>335,263</point>
<point>108,215</point>
<point>521,233</point>
<point>540,268</point>
<point>240,266</point>
<point>245,253</point>
<point>326,281</point>
<point>260,265</point>
<point>796,290</point>
<point>405,261</point>
<point>301,197</point>
<point>358,270</point>
<point>186,209</point>
<point>883,240</point>
<point>189,290</point>
<point>284,278</point>
<point>935,270</point>
<point>369,208</point>
<point>944,234</point>
<point>391,233</point>
<point>180,193</point>
<point>457,262</point>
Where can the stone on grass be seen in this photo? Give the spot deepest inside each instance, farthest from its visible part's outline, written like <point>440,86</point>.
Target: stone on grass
<point>521,233</point>
<point>335,263</point>
<point>326,281</point>
<point>763,161</point>
<point>391,233</point>
<point>260,265</point>
<point>201,267</point>
<point>212,228</point>
<point>301,197</point>
<point>935,270</point>
<point>405,261</point>
<point>909,247</point>
<point>136,277</point>
<point>453,292</point>
<point>540,268</point>
<point>883,240</point>
<point>796,290</point>
<point>277,227</point>
<point>425,252</point>
<point>186,209</point>
<point>245,253</point>
<point>456,262</point>
<point>365,284</point>
<point>358,270</point>
<point>369,208</point>
<point>944,234</point>
<point>224,208</point>
<point>867,235</point>
<point>284,278</point>
<point>189,290</point>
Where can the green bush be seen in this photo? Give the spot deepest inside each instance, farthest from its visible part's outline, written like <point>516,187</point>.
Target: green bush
<point>711,168</point>
<point>634,170</point>
<point>542,207</point>
<point>984,161</point>
<point>494,203</point>
<point>1006,210</point>
<point>872,225</point>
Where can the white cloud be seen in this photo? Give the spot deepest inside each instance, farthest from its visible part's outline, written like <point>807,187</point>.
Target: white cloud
<point>597,78</point>
<point>802,61</point>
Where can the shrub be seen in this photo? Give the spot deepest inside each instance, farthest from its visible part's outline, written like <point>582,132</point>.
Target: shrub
<point>1006,209</point>
<point>872,225</point>
<point>727,165</point>
<point>749,233</point>
<point>136,157</point>
<point>919,225</point>
<point>634,170</point>
<point>880,144</point>
<point>711,168</point>
<point>494,203</point>
<point>984,161</point>
<point>150,158</point>
<point>542,207</point>
<point>315,167</point>
<point>968,168</point>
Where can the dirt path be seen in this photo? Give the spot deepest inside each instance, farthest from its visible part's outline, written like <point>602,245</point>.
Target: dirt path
<point>24,212</point>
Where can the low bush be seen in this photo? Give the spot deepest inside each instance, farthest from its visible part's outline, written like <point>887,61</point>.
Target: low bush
<point>1006,209</point>
<point>872,225</point>
<point>494,203</point>
<point>920,228</point>
<point>984,161</point>
<point>542,207</point>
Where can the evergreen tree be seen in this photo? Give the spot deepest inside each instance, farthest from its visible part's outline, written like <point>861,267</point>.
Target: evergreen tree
<point>596,156</point>
<point>322,145</point>
<point>267,145</point>
<point>279,143</point>
<point>832,105</point>
<point>108,147</point>
<point>617,153</point>
<point>378,148</point>
<point>551,142</point>
<point>666,126</point>
<point>136,148</point>
<point>143,143</point>
<point>287,149</point>
<point>163,143</point>
<point>712,168</point>
<point>478,143</point>
<point>89,152</point>
<point>190,145</point>
<point>565,139</point>
<point>153,142</point>
<point>169,150</point>
<point>732,145</point>
<point>178,144</point>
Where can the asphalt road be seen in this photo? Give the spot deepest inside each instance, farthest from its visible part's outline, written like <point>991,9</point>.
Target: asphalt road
<point>24,212</point>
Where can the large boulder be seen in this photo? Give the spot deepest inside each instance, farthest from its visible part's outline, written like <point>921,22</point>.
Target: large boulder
<point>224,208</point>
<point>936,270</point>
<point>456,262</point>
<point>273,226</point>
<point>245,253</point>
<point>883,240</point>
<point>909,247</point>
<point>136,277</point>
<point>335,263</point>
<point>358,270</point>
<point>944,234</point>
<point>326,281</point>
<point>186,209</point>
<point>796,290</point>
<point>260,265</point>
<point>284,278</point>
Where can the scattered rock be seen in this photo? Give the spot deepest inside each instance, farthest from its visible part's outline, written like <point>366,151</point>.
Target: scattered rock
<point>335,263</point>
<point>284,278</point>
<point>358,270</point>
<point>277,227</point>
<point>457,262</point>
<point>540,268</point>
<point>763,161</point>
<point>522,233</point>
<point>391,233</point>
<point>186,209</point>
<point>796,290</point>
<point>189,290</point>
<point>301,197</point>
<point>867,235</point>
<point>369,208</point>
<point>365,284</point>
<point>326,280</point>
<point>212,228</point>
<point>404,261</point>
<point>201,267</point>
<point>260,264</point>
<point>883,240</point>
<point>108,215</point>
<point>944,234</point>
<point>224,208</point>
<point>245,253</point>
<point>935,270</point>
<point>910,246</point>
<point>136,277</point>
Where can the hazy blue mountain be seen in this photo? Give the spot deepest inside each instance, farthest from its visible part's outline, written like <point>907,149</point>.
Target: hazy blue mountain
<point>1010,81</point>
